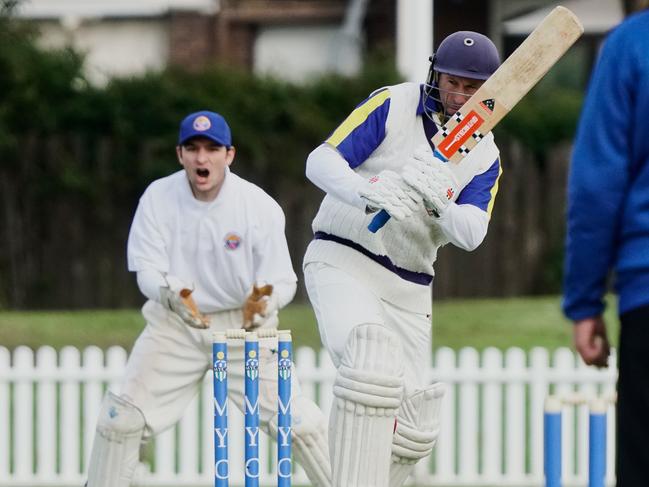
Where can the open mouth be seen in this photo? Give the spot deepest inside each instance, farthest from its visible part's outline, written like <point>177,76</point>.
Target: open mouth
<point>202,173</point>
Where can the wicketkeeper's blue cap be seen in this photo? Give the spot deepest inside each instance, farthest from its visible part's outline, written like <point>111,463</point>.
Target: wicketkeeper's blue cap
<point>205,124</point>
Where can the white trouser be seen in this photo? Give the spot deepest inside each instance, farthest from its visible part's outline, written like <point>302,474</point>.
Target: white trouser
<point>342,303</point>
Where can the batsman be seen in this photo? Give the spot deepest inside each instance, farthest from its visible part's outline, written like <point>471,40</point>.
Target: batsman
<point>200,242</point>
<point>371,292</point>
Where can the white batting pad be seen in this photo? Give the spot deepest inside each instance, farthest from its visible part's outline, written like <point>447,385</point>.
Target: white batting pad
<point>416,432</point>
<point>309,440</point>
<point>115,451</point>
<point>368,390</point>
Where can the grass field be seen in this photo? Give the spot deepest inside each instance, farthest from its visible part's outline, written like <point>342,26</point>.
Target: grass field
<point>502,323</point>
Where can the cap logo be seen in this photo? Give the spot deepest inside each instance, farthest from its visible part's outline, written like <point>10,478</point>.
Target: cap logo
<point>468,41</point>
<point>202,123</point>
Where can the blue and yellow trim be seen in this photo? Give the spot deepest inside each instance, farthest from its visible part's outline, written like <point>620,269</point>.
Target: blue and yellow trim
<point>494,189</point>
<point>482,189</point>
<point>363,130</point>
<point>358,116</point>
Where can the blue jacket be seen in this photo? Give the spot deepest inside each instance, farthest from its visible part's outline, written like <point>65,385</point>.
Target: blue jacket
<point>608,188</point>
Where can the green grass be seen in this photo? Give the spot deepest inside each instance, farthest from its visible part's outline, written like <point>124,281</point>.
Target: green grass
<point>513,322</point>
<point>501,323</point>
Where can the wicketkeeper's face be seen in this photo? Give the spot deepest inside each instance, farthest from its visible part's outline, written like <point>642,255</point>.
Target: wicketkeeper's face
<point>454,91</point>
<point>205,162</point>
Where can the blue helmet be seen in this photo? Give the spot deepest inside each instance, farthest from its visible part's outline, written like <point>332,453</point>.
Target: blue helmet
<point>467,54</point>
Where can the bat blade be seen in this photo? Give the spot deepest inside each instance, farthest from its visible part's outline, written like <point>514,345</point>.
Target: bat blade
<point>508,84</point>
<point>515,77</point>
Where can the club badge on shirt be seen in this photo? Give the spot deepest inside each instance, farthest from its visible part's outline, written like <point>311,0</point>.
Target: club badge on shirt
<point>232,241</point>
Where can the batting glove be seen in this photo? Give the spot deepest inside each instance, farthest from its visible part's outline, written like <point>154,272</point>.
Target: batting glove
<point>432,179</point>
<point>388,191</point>
<point>178,299</point>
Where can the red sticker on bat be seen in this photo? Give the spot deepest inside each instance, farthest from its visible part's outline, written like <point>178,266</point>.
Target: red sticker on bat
<point>453,141</point>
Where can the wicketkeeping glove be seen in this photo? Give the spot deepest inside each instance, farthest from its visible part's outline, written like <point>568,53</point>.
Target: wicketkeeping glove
<point>260,308</point>
<point>178,299</point>
<point>431,178</point>
<point>388,191</point>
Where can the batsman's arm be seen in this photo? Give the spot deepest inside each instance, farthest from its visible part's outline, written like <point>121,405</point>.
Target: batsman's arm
<point>329,171</point>
<point>331,166</point>
<point>465,226</point>
<point>465,222</point>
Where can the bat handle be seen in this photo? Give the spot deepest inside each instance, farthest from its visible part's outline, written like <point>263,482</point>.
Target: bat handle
<point>439,155</point>
<point>380,219</point>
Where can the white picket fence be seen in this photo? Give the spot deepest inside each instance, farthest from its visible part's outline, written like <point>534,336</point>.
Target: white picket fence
<point>492,429</point>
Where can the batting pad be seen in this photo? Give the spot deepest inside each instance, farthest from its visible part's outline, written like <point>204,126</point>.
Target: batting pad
<point>368,390</point>
<point>115,451</point>
<point>416,432</point>
<point>309,440</point>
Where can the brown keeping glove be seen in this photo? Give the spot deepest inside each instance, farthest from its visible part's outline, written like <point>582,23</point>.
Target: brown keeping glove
<point>256,304</point>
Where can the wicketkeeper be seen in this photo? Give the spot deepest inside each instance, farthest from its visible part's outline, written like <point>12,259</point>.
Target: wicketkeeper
<point>371,292</point>
<point>200,241</point>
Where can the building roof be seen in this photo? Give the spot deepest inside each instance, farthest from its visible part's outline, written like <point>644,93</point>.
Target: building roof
<point>598,16</point>
<point>57,9</point>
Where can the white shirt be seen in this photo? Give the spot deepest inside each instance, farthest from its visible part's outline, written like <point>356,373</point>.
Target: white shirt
<point>219,248</point>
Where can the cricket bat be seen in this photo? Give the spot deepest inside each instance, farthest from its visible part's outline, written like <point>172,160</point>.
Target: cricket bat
<point>501,92</point>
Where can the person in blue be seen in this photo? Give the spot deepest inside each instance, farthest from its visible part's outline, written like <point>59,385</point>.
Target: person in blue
<point>608,230</point>
<point>371,292</point>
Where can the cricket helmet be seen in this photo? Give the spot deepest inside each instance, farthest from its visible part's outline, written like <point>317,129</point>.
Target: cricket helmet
<point>467,54</point>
